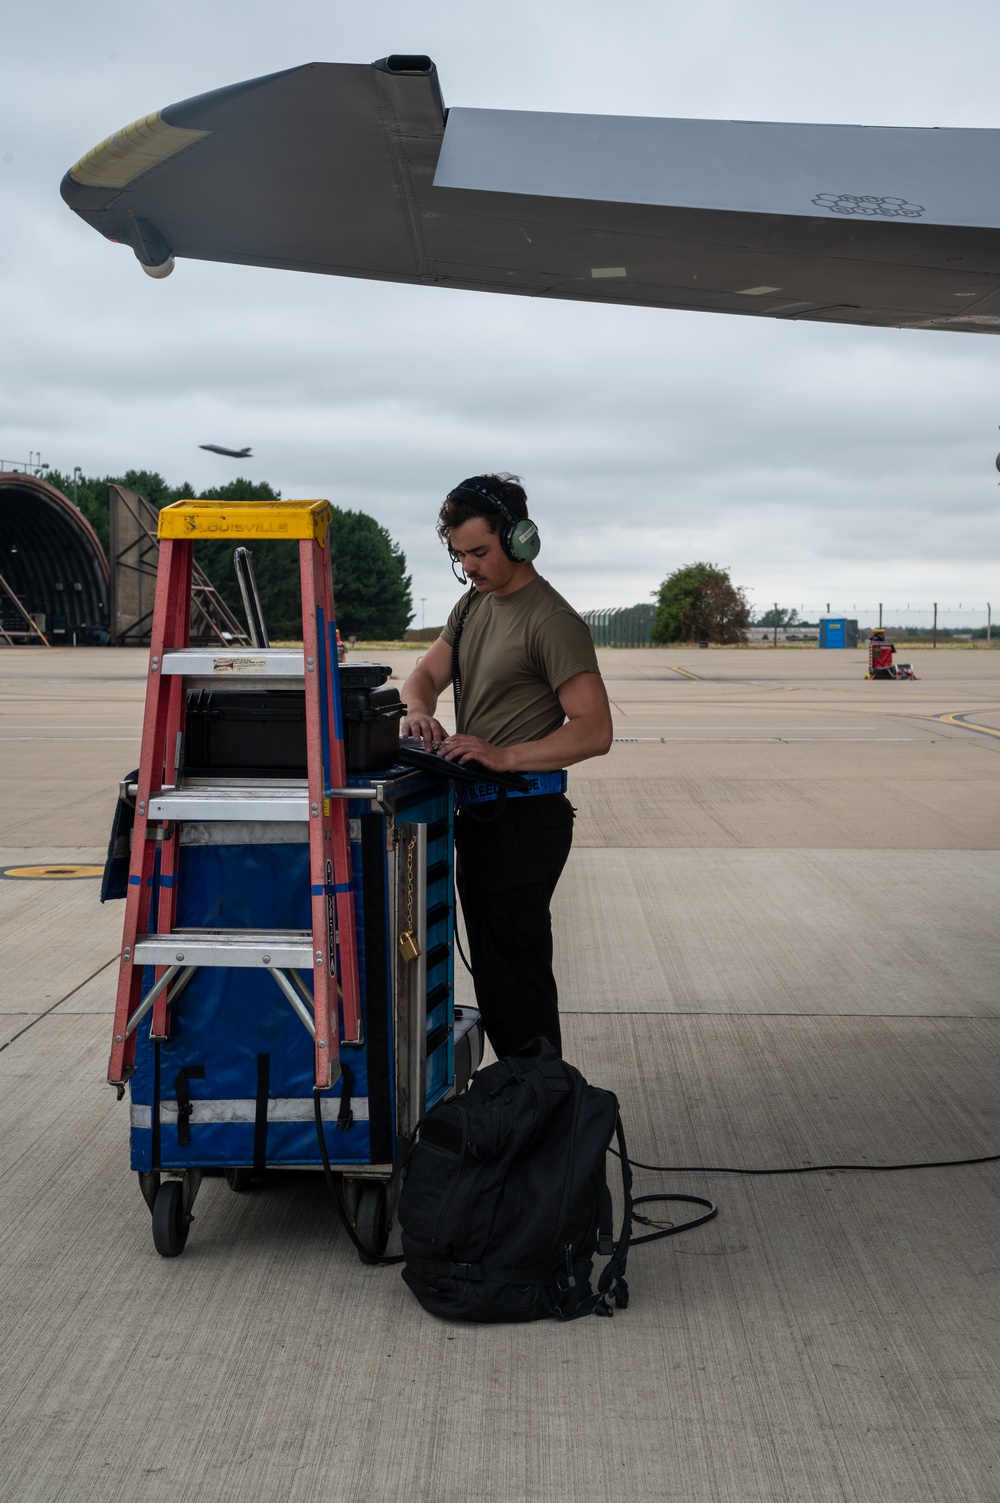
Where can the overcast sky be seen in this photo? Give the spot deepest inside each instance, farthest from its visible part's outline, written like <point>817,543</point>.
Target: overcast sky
<point>819,463</point>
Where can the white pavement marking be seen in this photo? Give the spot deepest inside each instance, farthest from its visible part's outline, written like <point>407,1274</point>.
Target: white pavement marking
<point>70,738</point>
<point>762,740</point>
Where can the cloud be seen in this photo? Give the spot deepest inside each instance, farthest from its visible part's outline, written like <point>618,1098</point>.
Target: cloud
<point>809,459</point>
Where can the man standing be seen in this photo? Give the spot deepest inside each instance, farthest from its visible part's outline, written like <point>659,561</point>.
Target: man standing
<point>531,701</point>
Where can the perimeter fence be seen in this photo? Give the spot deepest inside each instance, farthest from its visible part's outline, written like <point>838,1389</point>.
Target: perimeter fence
<point>912,620</point>
<point>626,626</point>
<point>956,620</point>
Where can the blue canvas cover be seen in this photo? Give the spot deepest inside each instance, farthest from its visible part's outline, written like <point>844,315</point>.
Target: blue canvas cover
<point>233,1034</point>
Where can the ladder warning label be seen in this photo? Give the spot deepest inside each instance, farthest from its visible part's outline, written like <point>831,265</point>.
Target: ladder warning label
<point>239,665</point>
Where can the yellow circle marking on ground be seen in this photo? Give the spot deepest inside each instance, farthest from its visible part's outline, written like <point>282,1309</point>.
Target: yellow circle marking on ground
<point>52,873</point>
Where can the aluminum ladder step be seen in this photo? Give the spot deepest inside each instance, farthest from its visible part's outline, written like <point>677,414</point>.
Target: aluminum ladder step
<point>230,804</point>
<point>273,949</point>
<point>236,664</point>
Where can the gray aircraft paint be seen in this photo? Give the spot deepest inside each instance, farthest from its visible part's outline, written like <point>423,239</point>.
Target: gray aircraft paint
<point>943,176</point>
<point>351,170</point>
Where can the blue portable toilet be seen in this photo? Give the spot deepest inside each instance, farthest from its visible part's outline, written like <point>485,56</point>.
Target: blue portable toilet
<point>837,631</point>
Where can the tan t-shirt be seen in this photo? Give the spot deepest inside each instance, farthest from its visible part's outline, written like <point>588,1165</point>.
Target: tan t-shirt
<point>514,653</point>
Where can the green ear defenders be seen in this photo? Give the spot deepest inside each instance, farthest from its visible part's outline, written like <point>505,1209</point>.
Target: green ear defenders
<point>518,537</point>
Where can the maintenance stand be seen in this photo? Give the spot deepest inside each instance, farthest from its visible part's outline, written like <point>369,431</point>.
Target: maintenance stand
<point>286,986</point>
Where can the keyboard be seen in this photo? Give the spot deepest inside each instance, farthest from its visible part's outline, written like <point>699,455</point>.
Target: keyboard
<point>413,754</point>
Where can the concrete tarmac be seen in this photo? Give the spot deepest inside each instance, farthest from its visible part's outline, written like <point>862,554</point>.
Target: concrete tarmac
<point>776,942</point>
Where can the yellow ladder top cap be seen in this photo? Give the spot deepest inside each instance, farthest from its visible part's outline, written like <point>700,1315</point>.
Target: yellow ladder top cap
<point>245,521</point>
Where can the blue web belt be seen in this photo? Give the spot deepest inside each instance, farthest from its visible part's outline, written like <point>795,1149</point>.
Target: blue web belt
<point>541,782</point>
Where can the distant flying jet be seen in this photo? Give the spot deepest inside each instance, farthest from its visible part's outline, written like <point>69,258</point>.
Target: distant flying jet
<point>232,453</point>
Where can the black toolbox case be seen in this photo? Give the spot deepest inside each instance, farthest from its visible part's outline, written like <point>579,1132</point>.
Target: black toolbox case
<point>262,732</point>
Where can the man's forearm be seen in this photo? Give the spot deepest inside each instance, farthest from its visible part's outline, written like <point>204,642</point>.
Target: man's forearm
<point>419,693</point>
<point>573,742</point>
<point>587,731</point>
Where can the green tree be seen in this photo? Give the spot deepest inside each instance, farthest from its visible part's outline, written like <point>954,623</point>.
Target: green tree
<point>700,602</point>
<point>780,617</point>
<point>372,587</point>
<point>370,581</point>
<point>92,494</point>
<point>275,565</point>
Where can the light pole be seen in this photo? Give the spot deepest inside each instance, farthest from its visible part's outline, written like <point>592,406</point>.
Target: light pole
<point>77,475</point>
<point>423,603</point>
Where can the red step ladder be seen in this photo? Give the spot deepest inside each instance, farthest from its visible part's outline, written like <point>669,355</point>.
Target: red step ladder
<point>329,949</point>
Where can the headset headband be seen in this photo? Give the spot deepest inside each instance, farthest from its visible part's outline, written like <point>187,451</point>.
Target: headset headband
<point>518,537</point>
<point>474,488</point>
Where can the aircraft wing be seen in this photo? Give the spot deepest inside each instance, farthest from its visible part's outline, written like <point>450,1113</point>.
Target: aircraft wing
<point>358,170</point>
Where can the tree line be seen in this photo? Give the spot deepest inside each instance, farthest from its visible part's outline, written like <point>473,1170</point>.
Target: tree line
<point>371,586</point>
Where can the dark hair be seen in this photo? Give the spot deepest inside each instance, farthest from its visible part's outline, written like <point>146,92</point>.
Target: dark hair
<point>459,508</point>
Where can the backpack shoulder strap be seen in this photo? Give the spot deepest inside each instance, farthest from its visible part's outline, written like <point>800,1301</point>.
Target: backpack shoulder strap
<point>612,1278</point>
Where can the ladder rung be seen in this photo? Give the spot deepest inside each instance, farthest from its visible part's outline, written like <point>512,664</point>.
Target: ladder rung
<point>283,949</point>
<point>236,665</point>
<point>230,803</point>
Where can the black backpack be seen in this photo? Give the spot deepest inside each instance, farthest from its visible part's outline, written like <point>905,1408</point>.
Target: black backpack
<point>504,1200</point>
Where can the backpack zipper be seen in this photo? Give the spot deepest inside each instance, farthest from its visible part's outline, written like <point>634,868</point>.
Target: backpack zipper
<point>577,1103</point>
<point>463,1114</point>
<point>468,1151</point>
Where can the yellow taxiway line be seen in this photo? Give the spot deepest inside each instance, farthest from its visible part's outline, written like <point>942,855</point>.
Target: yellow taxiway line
<point>957,718</point>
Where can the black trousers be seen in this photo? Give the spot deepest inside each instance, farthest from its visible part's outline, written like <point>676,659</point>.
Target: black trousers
<point>507,870</point>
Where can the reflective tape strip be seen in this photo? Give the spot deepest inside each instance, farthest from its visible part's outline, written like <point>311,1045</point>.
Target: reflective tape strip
<point>541,782</point>
<point>244,1109</point>
<point>245,832</point>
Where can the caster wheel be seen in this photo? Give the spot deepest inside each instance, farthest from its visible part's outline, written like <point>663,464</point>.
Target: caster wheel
<point>239,1179</point>
<point>372,1220</point>
<point>170,1225</point>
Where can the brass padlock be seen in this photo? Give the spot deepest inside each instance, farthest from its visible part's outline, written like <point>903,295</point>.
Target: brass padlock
<point>408,947</point>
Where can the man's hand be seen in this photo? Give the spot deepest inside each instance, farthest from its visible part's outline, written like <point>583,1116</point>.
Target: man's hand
<point>420,695</point>
<point>423,726</point>
<point>474,749</point>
